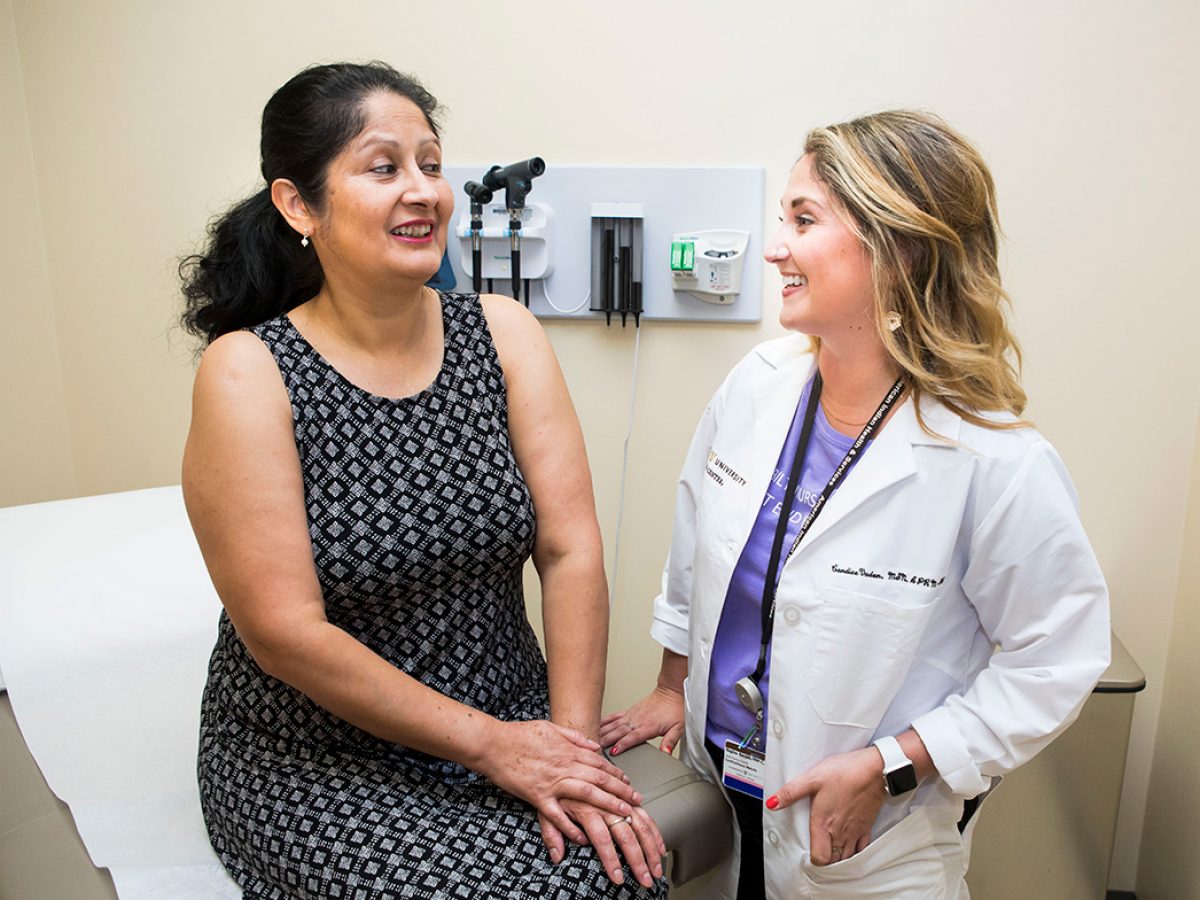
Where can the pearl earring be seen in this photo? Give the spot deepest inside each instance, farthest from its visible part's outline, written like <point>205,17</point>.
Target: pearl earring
<point>304,240</point>
<point>893,321</point>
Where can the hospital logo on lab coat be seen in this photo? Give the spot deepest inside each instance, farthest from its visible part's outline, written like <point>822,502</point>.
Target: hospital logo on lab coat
<point>718,470</point>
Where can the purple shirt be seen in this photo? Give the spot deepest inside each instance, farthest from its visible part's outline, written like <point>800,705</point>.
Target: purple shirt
<point>739,634</point>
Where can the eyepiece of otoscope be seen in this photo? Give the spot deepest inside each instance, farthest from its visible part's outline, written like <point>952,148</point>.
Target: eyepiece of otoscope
<point>498,177</point>
<point>478,192</point>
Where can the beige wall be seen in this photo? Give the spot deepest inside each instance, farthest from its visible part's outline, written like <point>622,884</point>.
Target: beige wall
<point>35,441</point>
<point>1169,866</point>
<point>142,119</point>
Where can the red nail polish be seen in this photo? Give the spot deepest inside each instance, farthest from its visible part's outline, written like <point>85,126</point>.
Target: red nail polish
<point>772,802</point>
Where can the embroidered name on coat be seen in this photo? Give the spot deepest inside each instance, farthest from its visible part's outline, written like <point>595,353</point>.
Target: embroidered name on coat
<point>903,577</point>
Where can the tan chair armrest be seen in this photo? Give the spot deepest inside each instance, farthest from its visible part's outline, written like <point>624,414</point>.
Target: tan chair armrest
<point>695,821</point>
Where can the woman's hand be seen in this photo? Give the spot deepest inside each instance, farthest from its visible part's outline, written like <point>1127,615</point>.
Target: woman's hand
<point>659,713</point>
<point>847,794</point>
<point>636,835</point>
<point>545,764</point>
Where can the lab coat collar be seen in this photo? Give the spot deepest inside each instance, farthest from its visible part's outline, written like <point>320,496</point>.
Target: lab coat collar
<point>889,459</point>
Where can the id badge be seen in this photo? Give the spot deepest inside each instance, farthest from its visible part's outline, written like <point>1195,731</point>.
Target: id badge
<point>744,769</point>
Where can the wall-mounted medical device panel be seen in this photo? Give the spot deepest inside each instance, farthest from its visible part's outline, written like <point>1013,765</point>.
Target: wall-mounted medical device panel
<point>537,241</point>
<point>567,209</point>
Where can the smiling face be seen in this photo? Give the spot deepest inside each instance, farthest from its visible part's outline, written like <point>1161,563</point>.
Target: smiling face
<point>826,270</point>
<point>386,207</point>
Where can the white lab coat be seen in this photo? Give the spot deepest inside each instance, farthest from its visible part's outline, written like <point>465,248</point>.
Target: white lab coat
<point>947,585</point>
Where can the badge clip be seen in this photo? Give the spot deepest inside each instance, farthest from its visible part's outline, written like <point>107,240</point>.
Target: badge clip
<point>749,695</point>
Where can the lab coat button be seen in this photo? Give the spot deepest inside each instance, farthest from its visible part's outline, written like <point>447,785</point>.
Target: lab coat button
<point>791,615</point>
<point>773,837</point>
<point>777,727</point>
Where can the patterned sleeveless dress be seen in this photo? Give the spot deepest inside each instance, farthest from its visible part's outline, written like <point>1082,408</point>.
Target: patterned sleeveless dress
<point>421,524</point>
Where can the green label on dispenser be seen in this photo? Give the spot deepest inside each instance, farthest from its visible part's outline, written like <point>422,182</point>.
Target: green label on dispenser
<point>676,255</point>
<point>689,256</point>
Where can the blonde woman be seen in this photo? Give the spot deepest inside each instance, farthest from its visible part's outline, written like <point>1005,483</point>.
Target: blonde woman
<point>879,596</point>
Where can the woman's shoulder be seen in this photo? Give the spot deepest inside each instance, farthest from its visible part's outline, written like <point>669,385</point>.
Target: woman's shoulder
<point>240,408</point>
<point>1008,451</point>
<point>778,356</point>
<point>1000,434</point>
<point>515,331</point>
<point>505,317</point>
<point>782,352</point>
<point>762,368</point>
<point>236,367</point>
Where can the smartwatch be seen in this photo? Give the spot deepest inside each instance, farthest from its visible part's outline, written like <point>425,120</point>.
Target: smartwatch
<point>899,774</point>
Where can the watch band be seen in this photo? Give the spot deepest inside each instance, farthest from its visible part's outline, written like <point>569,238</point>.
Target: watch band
<point>899,773</point>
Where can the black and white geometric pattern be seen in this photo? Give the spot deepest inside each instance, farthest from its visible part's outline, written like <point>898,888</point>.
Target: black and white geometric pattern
<point>420,523</point>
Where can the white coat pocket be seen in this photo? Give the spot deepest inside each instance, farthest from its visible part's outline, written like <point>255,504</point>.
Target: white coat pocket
<point>919,858</point>
<point>860,648</point>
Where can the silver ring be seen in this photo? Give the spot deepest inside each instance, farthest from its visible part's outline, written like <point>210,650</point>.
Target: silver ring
<point>628,820</point>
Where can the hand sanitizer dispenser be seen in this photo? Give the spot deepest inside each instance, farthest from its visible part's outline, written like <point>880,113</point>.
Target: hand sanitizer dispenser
<point>708,264</point>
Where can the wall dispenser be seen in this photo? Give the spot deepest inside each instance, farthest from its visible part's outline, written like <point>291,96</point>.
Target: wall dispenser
<point>708,264</point>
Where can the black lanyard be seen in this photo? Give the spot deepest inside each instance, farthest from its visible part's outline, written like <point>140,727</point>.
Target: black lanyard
<point>810,415</point>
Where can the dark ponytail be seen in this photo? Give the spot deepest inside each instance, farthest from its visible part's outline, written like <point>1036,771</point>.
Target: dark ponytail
<point>253,267</point>
<point>252,270</point>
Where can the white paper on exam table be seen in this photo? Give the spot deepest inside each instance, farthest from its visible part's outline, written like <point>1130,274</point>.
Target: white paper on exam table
<point>107,619</point>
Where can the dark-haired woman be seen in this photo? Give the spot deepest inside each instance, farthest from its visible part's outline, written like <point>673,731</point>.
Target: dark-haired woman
<point>364,465</point>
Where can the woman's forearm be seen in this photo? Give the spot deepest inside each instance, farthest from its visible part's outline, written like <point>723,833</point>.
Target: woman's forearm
<point>673,671</point>
<point>347,678</point>
<point>575,619</point>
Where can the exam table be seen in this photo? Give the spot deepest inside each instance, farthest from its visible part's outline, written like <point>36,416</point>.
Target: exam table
<point>107,617</point>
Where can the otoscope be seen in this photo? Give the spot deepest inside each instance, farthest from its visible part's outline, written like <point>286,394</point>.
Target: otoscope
<point>516,180</point>
<point>479,195</point>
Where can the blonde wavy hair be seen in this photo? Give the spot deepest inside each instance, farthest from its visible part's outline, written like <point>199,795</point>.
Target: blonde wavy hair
<point>921,199</point>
